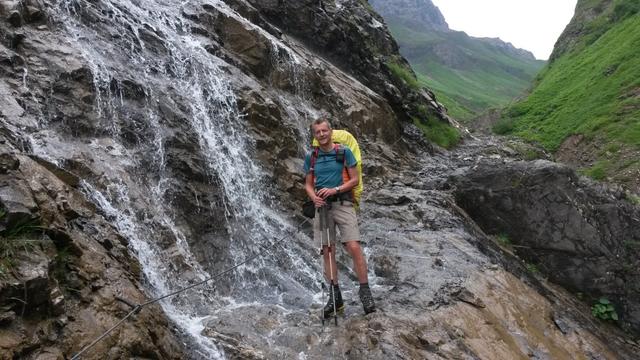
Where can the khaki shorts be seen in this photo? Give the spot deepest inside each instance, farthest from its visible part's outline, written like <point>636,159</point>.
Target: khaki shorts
<point>344,216</point>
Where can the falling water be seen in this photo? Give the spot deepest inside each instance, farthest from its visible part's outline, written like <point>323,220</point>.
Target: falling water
<point>194,74</point>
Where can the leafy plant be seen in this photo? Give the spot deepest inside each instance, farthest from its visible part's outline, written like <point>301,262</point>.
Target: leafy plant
<point>532,268</point>
<point>604,310</point>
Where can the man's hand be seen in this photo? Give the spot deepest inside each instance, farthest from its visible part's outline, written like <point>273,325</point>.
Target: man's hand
<point>319,201</point>
<point>326,192</point>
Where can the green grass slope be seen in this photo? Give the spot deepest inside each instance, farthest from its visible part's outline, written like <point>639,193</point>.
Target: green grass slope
<point>591,90</point>
<point>469,75</point>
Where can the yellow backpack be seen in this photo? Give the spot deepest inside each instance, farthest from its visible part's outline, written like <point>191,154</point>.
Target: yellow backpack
<point>345,138</point>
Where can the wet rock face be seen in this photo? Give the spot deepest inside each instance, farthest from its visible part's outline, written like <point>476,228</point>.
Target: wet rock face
<point>110,116</point>
<point>61,267</point>
<point>103,100</point>
<point>355,38</point>
<point>583,236</point>
<point>440,287</point>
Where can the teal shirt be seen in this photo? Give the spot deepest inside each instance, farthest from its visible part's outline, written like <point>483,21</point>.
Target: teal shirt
<point>328,171</point>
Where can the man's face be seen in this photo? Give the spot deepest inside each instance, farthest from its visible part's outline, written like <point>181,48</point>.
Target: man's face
<point>322,133</point>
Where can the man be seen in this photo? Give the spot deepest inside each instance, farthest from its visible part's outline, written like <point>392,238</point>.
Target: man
<point>332,198</point>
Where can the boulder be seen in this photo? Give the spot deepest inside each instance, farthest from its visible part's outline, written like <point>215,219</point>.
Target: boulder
<point>584,236</point>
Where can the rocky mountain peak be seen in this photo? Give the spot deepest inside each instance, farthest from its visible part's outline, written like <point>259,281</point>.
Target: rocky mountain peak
<point>509,48</point>
<point>420,14</point>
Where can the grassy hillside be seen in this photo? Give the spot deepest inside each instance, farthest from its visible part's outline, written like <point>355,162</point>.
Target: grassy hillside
<point>590,90</point>
<point>469,75</point>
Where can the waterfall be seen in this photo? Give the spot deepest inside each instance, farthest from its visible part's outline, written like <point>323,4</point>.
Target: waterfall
<point>131,190</point>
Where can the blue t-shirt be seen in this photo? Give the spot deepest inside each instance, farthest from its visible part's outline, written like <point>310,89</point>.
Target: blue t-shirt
<point>328,171</point>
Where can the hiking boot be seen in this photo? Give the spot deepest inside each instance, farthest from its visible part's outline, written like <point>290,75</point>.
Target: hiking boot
<point>328,309</point>
<point>368,304</point>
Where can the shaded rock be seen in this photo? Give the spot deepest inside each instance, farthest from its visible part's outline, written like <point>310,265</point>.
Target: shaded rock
<point>7,317</point>
<point>578,232</point>
<point>15,18</point>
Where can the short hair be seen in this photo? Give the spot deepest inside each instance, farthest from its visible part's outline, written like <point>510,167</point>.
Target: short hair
<point>320,120</point>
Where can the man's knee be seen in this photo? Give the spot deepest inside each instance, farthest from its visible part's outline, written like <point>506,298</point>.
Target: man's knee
<point>353,247</point>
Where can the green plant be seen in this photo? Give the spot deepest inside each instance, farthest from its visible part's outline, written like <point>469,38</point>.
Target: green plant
<point>24,227</point>
<point>503,239</point>
<point>633,198</point>
<point>19,237</point>
<point>438,132</point>
<point>503,126</point>
<point>598,171</point>
<point>403,73</point>
<point>532,268</point>
<point>624,9</point>
<point>603,309</point>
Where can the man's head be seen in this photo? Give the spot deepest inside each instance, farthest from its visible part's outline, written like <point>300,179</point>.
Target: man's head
<point>321,131</point>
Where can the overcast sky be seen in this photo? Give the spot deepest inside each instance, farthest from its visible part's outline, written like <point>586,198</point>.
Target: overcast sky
<point>533,25</point>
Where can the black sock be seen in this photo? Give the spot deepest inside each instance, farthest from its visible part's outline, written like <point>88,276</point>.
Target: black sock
<point>364,285</point>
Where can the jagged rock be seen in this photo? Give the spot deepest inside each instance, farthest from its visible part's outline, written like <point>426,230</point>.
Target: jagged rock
<point>468,297</point>
<point>580,235</point>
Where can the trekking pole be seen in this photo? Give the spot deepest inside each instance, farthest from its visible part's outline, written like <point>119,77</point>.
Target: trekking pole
<point>333,291</point>
<point>323,285</point>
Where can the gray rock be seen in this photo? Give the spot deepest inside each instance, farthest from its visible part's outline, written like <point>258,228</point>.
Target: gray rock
<point>578,233</point>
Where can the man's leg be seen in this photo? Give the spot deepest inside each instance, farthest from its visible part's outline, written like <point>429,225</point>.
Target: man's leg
<point>360,267</point>
<point>326,230</point>
<point>359,262</point>
<point>330,263</point>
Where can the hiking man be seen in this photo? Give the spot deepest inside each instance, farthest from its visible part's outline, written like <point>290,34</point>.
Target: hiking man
<point>323,168</point>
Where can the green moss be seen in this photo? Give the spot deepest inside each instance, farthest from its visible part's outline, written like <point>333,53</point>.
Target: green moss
<point>438,132</point>
<point>403,73</point>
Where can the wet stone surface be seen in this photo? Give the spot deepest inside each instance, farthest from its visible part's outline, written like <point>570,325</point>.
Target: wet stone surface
<point>438,295</point>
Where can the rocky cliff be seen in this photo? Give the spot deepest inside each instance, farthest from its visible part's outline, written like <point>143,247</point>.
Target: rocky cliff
<point>420,15</point>
<point>146,146</point>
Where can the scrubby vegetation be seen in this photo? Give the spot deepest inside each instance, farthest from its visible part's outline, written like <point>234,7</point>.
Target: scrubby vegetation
<point>19,237</point>
<point>438,132</point>
<point>403,73</point>
<point>591,89</point>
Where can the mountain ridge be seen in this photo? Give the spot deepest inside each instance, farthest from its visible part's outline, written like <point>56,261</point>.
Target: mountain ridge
<point>469,75</point>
